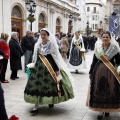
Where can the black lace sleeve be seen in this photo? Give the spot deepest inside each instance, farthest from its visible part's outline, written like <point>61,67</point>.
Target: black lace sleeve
<point>95,60</point>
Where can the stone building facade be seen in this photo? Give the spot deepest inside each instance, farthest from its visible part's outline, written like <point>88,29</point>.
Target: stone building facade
<point>53,14</point>
<point>92,11</point>
<point>95,13</point>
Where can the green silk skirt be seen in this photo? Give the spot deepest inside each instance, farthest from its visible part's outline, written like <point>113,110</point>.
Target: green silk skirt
<point>42,89</point>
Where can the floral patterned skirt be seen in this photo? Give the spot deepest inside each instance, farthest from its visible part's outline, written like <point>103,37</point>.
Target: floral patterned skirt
<point>42,89</point>
<point>104,90</point>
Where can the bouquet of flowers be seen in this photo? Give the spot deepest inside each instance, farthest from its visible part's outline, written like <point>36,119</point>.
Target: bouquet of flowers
<point>31,19</point>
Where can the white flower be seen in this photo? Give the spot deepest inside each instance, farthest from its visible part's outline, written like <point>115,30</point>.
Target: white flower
<point>59,77</point>
<point>31,65</point>
<point>118,70</point>
<point>1,57</point>
<point>82,50</point>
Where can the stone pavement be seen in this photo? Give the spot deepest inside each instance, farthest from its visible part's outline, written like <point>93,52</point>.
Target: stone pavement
<point>74,109</point>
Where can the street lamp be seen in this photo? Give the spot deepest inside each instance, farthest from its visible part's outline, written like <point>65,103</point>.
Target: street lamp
<point>87,25</point>
<point>71,17</point>
<point>87,28</point>
<point>70,23</point>
<point>31,7</point>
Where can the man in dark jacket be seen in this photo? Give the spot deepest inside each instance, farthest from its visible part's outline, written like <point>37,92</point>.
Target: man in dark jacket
<point>27,45</point>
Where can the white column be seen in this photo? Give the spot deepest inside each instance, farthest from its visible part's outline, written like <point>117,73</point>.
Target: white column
<point>66,24</point>
<point>52,18</point>
<point>1,14</point>
<point>51,22</point>
<point>35,23</point>
<point>63,24</point>
<point>48,17</point>
<point>54,23</point>
<point>6,22</point>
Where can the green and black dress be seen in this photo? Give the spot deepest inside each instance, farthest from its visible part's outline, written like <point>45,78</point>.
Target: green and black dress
<point>41,88</point>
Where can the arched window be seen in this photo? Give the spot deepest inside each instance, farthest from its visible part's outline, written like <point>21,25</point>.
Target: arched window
<point>58,25</point>
<point>16,21</point>
<point>42,22</point>
<point>42,18</point>
<point>16,12</point>
<point>58,22</point>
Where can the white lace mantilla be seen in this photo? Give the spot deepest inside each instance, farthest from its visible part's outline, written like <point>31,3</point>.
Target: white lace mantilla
<point>45,49</point>
<point>109,53</point>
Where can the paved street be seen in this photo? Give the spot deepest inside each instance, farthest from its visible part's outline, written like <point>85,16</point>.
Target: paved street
<point>74,109</point>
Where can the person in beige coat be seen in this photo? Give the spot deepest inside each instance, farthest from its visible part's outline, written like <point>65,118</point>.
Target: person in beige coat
<point>64,47</point>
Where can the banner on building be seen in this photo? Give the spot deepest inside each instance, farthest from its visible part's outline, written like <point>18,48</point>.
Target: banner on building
<point>114,24</point>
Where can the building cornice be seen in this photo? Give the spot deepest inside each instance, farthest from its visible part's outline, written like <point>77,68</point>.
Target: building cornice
<point>62,4</point>
<point>116,3</point>
<point>95,4</point>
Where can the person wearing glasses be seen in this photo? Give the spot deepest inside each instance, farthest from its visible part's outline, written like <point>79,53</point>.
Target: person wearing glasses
<point>15,55</point>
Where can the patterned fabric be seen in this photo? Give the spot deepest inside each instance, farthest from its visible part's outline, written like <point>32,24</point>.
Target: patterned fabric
<point>42,89</point>
<point>75,56</point>
<point>105,89</point>
<point>109,53</point>
<point>45,49</point>
<point>41,82</point>
<point>28,71</point>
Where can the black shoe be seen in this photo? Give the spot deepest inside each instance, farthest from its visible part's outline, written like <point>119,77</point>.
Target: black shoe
<point>12,78</point>
<point>51,105</point>
<point>34,111</point>
<point>76,71</point>
<point>17,78</point>
<point>107,114</point>
<point>99,117</point>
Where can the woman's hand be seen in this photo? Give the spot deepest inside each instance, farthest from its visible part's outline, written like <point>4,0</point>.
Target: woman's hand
<point>57,73</point>
<point>90,76</point>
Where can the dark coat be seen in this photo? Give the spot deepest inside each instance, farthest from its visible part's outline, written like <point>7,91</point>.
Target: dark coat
<point>27,43</point>
<point>69,41</point>
<point>15,55</point>
<point>85,41</point>
<point>92,42</point>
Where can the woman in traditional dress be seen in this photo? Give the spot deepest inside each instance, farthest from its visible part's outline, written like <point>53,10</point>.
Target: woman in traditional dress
<point>77,50</point>
<point>104,90</point>
<point>43,86</point>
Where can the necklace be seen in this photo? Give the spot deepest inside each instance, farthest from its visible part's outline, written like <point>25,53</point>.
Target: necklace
<point>105,50</point>
<point>44,46</point>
